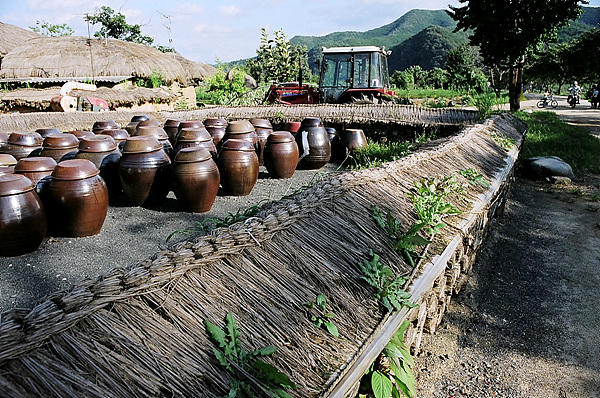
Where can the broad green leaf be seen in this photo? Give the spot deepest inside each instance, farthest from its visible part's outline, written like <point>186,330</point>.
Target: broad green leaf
<point>381,384</point>
<point>331,328</point>
<point>321,301</point>
<point>270,373</point>
<point>267,350</point>
<point>217,334</point>
<point>392,351</point>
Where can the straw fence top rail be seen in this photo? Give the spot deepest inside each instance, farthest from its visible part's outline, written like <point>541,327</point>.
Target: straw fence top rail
<point>139,331</point>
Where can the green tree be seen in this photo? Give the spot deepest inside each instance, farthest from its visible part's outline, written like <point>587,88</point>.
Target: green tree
<point>463,70</point>
<point>404,80</point>
<point>437,78</point>
<point>47,29</point>
<point>506,30</point>
<point>278,60</point>
<point>115,26</point>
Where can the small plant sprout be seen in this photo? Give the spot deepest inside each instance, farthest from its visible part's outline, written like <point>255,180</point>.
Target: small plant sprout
<point>389,286</point>
<point>250,375</point>
<point>474,177</point>
<point>317,313</point>
<point>505,142</point>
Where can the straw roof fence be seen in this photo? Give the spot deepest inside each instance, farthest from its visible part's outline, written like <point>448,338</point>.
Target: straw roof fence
<point>12,36</point>
<point>40,98</point>
<point>76,56</point>
<point>139,331</point>
<point>348,114</point>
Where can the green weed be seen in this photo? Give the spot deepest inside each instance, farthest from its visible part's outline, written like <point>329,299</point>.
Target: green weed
<point>317,313</point>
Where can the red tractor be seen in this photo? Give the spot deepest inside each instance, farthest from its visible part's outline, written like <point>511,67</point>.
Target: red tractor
<point>356,75</point>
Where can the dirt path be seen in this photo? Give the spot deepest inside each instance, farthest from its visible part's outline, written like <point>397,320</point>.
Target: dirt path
<point>527,324</point>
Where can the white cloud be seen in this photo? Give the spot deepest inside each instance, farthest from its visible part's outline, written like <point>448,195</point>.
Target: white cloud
<point>37,5</point>
<point>229,11</point>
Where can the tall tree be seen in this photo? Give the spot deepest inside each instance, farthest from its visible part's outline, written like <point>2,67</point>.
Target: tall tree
<point>47,29</point>
<point>115,26</point>
<point>505,30</point>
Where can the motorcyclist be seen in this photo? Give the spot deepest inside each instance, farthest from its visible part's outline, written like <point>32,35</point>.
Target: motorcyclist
<point>574,90</point>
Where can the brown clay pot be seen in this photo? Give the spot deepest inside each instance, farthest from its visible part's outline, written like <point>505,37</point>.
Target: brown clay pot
<point>261,123</point>
<point>104,125</point>
<point>293,127</point>
<point>350,140</point>
<point>46,132</point>
<point>216,128</point>
<point>195,137</point>
<point>119,135</point>
<point>22,144</point>
<point>38,169</point>
<point>190,124</point>
<point>263,129</point>
<point>145,171</point>
<point>22,216</point>
<point>3,137</point>
<point>281,154</point>
<point>158,132</point>
<point>102,150</point>
<point>80,134</point>
<point>132,125</point>
<point>241,130</point>
<point>60,146</point>
<point>313,144</point>
<point>195,179</point>
<point>7,163</point>
<point>238,166</point>
<point>76,199</point>
<point>171,127</point>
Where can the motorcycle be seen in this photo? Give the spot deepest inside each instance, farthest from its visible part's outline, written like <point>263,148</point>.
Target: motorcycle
<point>573,99</point>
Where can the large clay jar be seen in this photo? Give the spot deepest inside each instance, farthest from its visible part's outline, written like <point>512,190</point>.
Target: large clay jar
<point>22,217</point>
<point>81,134</point>
<point>263,129</point>
<point>195,179</point>
<point>195,137</point>
<point>171,127</point>
<point>7,163</point>
<point>132,125</point>
<point>352,139</point>
<point>159,133</point>
<point>119,135</point>
<point>76,199</point>
<point>238,166</point>
<point>38,169</point>
<point>104,125</point>
<point>313,144</point>
<point>293,127</point>
<point>103,152</point>
<point>241,130</point>
<point>22,144</point>
<point>216,128</point>
<point>60,146</point>
<point>281,154</point>
<point>145,171</point>
<point>46,132</point>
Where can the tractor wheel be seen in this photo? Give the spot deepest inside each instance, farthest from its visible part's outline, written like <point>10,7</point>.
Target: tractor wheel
<point>363,100</point>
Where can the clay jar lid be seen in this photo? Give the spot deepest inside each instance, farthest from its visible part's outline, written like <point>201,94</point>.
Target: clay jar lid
<point>7,160</point>
<point>215,122</point>
<point>172,122</point>
<point>60,141</point>
<point>80,134</point>
<point>46,132</point>
<point>74,169</point>
<point>280,136</point>
<point>98,143</point>
<point>190,123</point>
<point>192,154</point>
<point>194,135</point>
<point>104,124</point>
<point>141,144</point>
<point>262,123</point>
<point>13,184</point>
<point>147,123</point>
<point>155,131</point>
<point>139,118</point>
<point>25,139</point>
<point>312,122</point>
<point>234,144</point>
<point>35,164</point>
<point>116,134</point>
<point>239,127</point>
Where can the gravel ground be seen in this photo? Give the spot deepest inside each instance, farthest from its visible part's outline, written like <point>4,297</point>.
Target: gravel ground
<point>527,323</point>
<point>129,234</point>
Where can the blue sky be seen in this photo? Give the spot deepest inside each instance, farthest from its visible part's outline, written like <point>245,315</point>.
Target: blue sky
<point>226,30</point>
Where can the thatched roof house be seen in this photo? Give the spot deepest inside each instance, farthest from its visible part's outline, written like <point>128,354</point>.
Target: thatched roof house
<point>195,71</point>
<point>75,56</point>
<point>12,36</point>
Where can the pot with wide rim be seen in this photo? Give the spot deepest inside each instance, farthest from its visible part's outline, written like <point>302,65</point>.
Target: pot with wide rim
<point>22,144</point>
<point>76,199</point>
<point>62,146</point>
<point>281,154</point>
<point>38,169</point>
<point>159,133</point>
<point>145,171</point>
<point>104,125</point>
<point>314,147</point>
<point>349,141</point>
<point>238,167</point>
<point>216,128</point>
<point>195,137</point>
<point>195,179</point>
<point>132,125</point>
<point>171,127</point>
<point>23,221</point>
<point>103,152</point>
<point>47,131</point>
<point>80,134</point>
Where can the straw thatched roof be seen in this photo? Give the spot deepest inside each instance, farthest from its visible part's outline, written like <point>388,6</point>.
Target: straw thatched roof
<point>195,71</point>
<point>12,36</point>
<point>68,56</point>
<point>139,331</point>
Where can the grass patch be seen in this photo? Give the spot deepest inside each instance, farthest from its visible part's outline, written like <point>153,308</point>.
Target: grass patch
<point>547,135</point>
<point>375,154</point>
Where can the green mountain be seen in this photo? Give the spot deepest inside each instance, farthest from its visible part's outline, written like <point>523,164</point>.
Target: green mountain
<point>428,49</point>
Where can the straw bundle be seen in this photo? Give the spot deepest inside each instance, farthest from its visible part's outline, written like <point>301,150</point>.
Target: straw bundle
<point>12,36</point>
<point>139,331</point>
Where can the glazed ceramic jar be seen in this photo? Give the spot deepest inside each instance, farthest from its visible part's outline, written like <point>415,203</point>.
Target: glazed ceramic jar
<point>216,128</point>
<point>103,152</point>
<point>238,167</point>
<point>293,127</point>
<point>22,144</point>
<point>76,199</point>
<point>104,125</point>
<point>59,146</point>
<point>350,140</point>
<point>171,127</point>
<point>281,154</point>
<point>46,132</point>
<point>80,134</point>
<point>22,216</point>
<point>313,144</point>
<point>195,179</point>
<point>241,130</point>
<point>7,163</point>
<point>145,171</point>
<point>158,132</point>
<point>132,125</point>
<point>195,137</point>
<point>38,169</point>
<point>119,135</point>
<point>263,129</point>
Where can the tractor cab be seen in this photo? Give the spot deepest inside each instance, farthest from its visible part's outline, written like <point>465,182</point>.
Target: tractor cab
<point>355,75</point>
